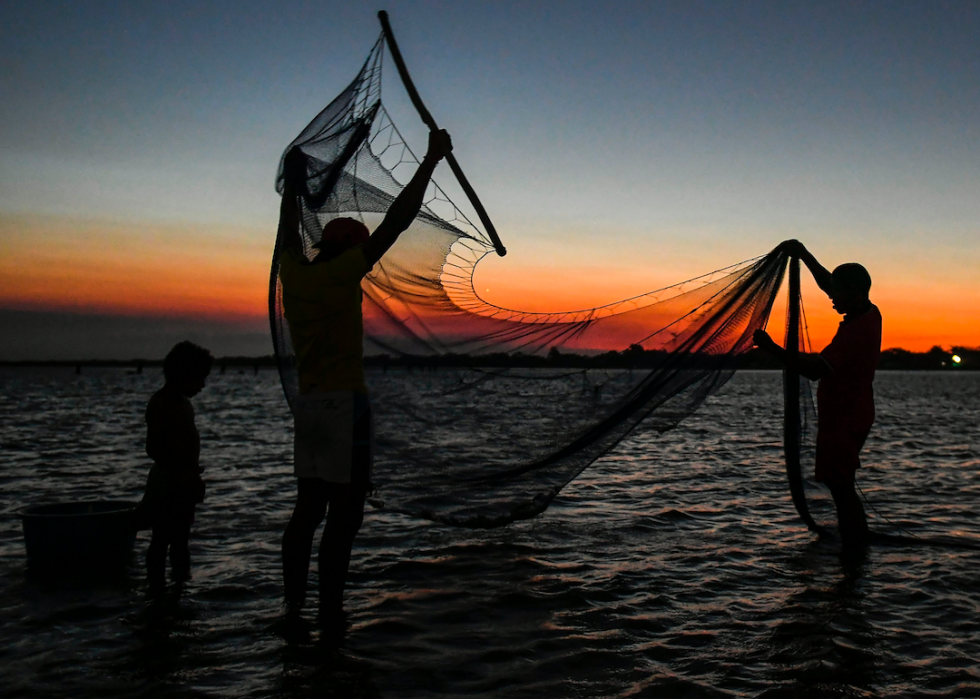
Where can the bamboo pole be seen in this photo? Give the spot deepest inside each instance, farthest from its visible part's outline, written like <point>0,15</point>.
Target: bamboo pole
<point>431,123</point>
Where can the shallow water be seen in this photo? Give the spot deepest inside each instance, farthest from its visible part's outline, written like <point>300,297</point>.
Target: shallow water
<point>674,567</point>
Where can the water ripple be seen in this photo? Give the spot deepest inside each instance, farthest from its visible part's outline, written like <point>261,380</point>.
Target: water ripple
<point>675,567</point>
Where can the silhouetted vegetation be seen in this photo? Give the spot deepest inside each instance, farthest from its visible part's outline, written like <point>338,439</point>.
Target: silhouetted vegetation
<point>895,359</point>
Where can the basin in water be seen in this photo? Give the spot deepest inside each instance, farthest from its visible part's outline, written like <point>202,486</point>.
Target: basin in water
<point>73,535</point>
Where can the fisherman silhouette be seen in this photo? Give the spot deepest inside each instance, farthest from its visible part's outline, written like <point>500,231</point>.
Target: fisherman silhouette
<point>332,456</point>
<point>845,394</point>
<point>174,486</point>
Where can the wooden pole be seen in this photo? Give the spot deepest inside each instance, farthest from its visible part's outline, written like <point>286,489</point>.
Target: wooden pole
<point>431,123</point>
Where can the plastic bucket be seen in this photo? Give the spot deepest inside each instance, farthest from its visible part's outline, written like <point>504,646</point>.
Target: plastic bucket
<point>79,535</point>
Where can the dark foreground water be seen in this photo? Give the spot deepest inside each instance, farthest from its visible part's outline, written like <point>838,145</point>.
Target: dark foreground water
<point>674,568</point>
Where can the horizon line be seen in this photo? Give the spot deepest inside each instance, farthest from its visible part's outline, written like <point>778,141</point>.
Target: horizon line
<point>270,359</point>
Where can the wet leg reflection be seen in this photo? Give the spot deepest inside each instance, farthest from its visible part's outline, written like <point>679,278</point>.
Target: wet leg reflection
<point>824,646</point>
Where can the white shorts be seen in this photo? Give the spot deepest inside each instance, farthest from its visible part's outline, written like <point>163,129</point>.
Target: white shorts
<point>333,436</point>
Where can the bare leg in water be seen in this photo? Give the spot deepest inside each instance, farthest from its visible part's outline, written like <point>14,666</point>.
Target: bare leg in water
<point>346,512</point>
<point>297,541</point>
<point>171,532</point>
<point>333,560</point>
<point>851,520</point>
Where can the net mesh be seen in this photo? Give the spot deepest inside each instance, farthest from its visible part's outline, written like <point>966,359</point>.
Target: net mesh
<point>811,499</point>
<point>482,413</point>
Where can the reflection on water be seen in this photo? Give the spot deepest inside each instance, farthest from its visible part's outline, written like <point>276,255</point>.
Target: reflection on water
<point>823,644</point>
<point>674,567</point>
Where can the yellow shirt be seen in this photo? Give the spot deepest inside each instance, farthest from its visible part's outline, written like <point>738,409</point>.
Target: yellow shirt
<point>322,304</point>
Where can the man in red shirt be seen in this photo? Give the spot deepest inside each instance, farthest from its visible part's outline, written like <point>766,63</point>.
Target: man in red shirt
<point>845,395</point>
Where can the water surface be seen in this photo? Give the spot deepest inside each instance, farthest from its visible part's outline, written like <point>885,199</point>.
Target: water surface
<point>674,567</point>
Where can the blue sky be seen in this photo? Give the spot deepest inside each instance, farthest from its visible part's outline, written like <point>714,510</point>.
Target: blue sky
<point>604,138</point>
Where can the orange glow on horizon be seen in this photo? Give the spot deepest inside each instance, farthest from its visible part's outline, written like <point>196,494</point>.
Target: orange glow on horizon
<point>59,264</point>
<point>915,318</point>
<point>118,269</point>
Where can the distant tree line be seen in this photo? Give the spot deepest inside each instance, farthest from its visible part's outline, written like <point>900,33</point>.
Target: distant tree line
<point>936,359</point>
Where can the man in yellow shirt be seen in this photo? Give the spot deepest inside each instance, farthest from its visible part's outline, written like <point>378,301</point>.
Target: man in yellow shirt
<point>332,457</point>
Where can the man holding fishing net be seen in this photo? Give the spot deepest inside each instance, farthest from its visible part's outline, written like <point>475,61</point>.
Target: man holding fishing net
<point>322,303</point>
<point>845,396</point>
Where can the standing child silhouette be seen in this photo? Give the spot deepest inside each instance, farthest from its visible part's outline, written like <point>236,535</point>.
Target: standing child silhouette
<point>174,486</point>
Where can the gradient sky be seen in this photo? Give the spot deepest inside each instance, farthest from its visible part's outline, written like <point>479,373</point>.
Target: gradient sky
<point>618,147</point>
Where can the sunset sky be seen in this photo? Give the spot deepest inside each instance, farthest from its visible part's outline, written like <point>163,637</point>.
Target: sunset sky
<point>618,147</point>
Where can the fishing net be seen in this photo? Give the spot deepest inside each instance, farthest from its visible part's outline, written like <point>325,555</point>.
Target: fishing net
<point>482,413</point>
<point>811,500</point>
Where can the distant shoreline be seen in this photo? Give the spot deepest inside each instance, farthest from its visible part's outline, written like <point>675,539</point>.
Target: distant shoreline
<point>895,359</point>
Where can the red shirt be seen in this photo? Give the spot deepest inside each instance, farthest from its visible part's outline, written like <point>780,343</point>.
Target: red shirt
<point>853,355</point>
<point>845,397</point>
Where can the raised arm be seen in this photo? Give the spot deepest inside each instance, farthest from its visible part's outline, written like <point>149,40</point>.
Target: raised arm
<point>289,221</point>
<point>406,206</point>
<point>821,274</point>
<point>294,172</point>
